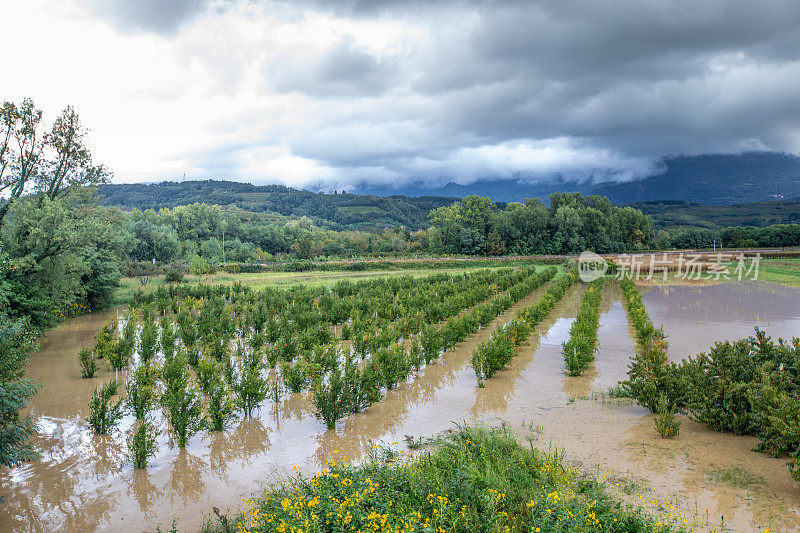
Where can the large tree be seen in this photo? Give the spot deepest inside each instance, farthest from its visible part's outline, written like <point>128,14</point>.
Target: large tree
<point>63,251</point>
<point>21,151</point>
<point>69,162</point>
<point>52,162</point>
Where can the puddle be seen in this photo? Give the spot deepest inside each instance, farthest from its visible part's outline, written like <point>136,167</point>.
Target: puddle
<point>81,483</point>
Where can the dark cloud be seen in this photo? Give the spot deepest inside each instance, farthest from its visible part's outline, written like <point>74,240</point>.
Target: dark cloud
<point>575,87</point>
<point>157,16</point>
<point>345,69</point>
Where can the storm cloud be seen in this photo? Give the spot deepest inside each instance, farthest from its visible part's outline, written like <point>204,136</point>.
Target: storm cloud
<point>338,93</point>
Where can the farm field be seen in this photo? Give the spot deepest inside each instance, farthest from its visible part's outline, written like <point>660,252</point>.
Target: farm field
<point>258,280</point>
<point>708,477</point>
<point>784,270</point>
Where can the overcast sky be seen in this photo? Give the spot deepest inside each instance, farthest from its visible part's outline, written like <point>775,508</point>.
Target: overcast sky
<point>346,92</point>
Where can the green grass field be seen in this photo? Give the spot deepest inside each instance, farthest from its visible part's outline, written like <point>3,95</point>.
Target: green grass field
<point>785,271</point>
<point>781,270</point>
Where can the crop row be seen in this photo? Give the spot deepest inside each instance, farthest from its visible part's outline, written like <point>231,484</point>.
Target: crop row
<point>285,324</point>
<point>210,358</point>
<point>497,352</point>
<point>368,336</point>
<point>385,347</point>
<point>649,377</point>
<point>579,350</point>
<point>349,388</point>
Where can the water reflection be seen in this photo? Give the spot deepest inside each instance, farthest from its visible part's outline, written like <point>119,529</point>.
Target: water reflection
<point>144,491</point>
<point>186,480</point>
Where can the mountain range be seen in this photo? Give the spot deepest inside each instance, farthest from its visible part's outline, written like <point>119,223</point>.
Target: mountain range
<point>705,179</point>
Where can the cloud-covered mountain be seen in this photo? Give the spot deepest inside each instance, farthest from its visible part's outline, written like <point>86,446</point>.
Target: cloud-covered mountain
<point>708,180</point>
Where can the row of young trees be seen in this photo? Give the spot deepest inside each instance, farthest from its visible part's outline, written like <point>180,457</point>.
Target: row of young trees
<point>219,349</point>
<point>497,352</point>
<point>350,387</point>
<point>579,350</point>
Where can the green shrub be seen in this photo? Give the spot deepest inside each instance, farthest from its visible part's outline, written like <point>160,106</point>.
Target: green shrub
<point>148,339</point>
<point>17,340</point>
<point>667,424</point>
<point>105,344</point>
<point>187,328</point>
<point>142,444</point>
<point>392,365</point>
<point>220,408</point>
<point>87,363</point>
<point>180,401</point>
<point>173,275</point>
<point>119,357</point>
<point>167,338</point>
<point>104,415</point>
<point>199,266</point>
<point>127,340</point>
<point>142,392</point>
<point>718,388</point>
<point>209,373</point>
<point>330,399</point>
<point>295,375</point>
<point>251,388</point>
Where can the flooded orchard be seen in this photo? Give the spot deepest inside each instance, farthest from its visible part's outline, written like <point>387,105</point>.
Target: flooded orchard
<point>82,482</point>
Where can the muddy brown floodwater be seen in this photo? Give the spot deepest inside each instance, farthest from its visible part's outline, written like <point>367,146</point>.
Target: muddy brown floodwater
<point>696,316</point>
<point>81,482</point>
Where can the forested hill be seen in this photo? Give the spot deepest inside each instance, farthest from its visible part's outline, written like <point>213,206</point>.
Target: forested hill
<point>337,211</point>
<point>676,197</point>
<point>673,213</point>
